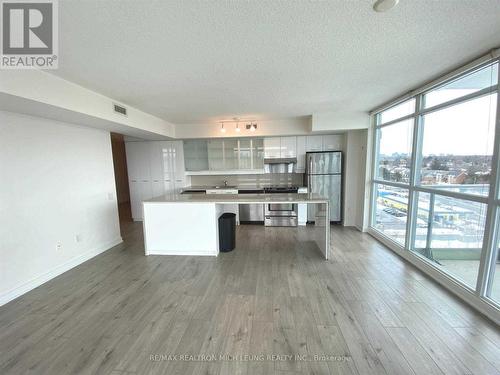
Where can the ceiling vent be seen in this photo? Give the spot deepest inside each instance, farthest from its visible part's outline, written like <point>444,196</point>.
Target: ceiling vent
<point>120,109</point>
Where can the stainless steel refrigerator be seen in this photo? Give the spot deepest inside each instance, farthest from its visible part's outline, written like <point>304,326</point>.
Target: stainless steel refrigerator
<point>324,177</point>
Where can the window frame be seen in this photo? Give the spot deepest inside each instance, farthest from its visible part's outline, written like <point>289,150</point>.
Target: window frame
<point>491,236</point>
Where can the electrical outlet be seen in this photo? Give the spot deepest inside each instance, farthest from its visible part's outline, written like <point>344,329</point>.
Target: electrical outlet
<point>78,238</point>
<point>59,246</point>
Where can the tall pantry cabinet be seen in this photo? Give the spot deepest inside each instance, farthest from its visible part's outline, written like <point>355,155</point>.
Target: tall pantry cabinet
<point>154,168</point>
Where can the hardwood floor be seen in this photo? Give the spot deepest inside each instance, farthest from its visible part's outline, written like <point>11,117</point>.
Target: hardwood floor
<point>365,311</point>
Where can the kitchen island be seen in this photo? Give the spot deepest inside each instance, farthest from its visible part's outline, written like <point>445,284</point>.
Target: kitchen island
<point>187,224</point>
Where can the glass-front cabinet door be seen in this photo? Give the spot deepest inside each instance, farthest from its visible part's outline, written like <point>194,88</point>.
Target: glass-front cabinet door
<point>196,155</point>
<point>257,153</point>
<point>230,154</point>
<point>245,154</point>
<point>216,154</point>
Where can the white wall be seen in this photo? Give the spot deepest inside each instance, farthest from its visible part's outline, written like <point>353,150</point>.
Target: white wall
<point>339,121</point>
<point>354,179</point>
<point>57,182</point>
<point>39,93</point>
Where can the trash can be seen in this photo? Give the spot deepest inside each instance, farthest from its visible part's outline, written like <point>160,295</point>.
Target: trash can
<point>227,232</point>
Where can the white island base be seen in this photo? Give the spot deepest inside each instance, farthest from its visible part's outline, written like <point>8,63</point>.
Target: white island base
<point>188,224</point>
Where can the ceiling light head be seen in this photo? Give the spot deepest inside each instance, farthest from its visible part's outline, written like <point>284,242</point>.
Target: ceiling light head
<point>384,5</point>
<point>253,127</point>
<point>237,126</point>
<point>222,130</point>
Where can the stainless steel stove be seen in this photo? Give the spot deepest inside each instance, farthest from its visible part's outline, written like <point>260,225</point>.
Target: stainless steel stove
<point>280,214</point>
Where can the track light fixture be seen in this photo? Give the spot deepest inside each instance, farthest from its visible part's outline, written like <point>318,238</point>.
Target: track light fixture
<point>250,126</point>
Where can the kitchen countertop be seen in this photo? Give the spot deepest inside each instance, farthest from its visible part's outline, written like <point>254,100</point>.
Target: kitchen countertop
<point>239,198</point>
<point>241,187</point>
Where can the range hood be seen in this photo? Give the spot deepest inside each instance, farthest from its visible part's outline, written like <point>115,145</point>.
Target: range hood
<point>279,165</point>
<point>280,161</point>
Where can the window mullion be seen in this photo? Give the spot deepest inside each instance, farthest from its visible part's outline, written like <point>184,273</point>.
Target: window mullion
<point>375,148</point>
<point>411,220</point>
<point>486,271</point>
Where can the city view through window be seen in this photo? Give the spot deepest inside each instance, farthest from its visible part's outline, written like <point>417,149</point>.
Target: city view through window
<point>453,161</point>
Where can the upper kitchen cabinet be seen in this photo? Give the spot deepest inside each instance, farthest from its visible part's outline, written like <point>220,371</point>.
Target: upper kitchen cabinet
<point>196,155</point>
<point>333,142</point>
<point>245,153</point>
<point>215,154</point>
<point>272,148</point>
<point>288,147</point>
<point>301,154</point>
<point>178,156</point>
<point>280,147</point>
<point>222,154</point>
<point>257,153</point>
<point>138,160</point>
<point>327,142</point>
<point>231,154</point>
<point>314,143</point>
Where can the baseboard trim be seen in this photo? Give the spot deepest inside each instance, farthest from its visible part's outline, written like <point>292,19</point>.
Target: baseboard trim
<point>56,271</point>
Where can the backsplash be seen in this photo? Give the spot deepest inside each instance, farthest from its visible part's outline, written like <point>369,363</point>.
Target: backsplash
<point>259,180</point>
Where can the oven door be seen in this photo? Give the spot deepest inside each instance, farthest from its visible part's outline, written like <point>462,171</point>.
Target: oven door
<point>281,209</point>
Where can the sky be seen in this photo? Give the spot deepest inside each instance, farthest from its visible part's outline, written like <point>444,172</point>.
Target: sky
<point>464,129</point>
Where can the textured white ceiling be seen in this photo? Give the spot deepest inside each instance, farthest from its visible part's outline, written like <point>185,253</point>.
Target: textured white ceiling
<point>198,61</point>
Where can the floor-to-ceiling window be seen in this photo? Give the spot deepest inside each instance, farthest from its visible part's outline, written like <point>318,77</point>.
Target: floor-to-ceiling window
<point>435,188</point>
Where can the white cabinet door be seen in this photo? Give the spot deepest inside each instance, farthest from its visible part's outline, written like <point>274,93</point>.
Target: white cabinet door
<point>138,160</point>
<point>288,147</point>
<point>230,154</point>
<point>272,147</point>
<point>314,143</point>
<point>135,200</point>
<point>302,213</point>
<point>196,155</point>
<point>139,191</point>
<point>157,188</point>
<point>215,154</point>
<point>301,154</point>
<point>257,153</point>
<point>178,156</point>
<point>178,185</point>
<point>333,142</point>
<point>156,160</point>
<point>166,158</point>
<point>245,153</point>
<point>168,186</point>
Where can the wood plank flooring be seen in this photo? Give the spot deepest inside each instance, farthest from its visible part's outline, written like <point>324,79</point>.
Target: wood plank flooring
<point>365,311</point>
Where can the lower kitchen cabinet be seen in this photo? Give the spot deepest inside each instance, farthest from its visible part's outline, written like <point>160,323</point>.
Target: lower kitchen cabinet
<point>139,191</point>
<point>302,214</point>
